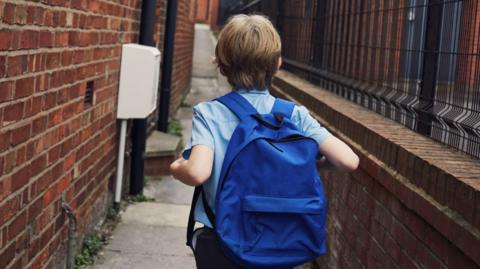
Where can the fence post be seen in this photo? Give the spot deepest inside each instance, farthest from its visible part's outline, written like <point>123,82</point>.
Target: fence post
<point>280,17</point>
<point>430,63</point>
<point>318,33</point>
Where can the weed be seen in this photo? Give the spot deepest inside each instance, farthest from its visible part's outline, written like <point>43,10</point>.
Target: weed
<point>112,214</point>
<point>185,104</point>
<point>139,198</point>
<point>174,127</point>
<point>92,244</point>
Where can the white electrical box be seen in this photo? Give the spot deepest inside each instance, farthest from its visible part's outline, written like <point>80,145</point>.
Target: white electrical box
<point>139,75</point>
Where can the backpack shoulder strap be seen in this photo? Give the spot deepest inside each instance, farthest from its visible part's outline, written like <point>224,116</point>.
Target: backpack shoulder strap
<point>237,104</point>
<point>191,218</point>
<point>284,107</point>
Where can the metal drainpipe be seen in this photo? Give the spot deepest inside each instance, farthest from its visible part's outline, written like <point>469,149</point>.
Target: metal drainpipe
<point>169,44</point>
<point>139,129</point>
<point>72,235</point>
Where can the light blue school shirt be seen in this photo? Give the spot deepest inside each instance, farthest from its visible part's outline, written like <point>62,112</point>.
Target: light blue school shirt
<point>213,125</point>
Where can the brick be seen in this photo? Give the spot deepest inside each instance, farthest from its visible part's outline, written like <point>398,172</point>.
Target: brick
<point>69,161</point>
<point>406,262</point>
<point>28,39</point>
<point>21,14</point>
<point>20,134</point>
<point>24,87</point>
<point>3,60</point>
<point>17,225</point>
<point>7,255</point>
<point>34,209</point>
<point>439,245</point>
<point>6,91</point>
<point>55,117</point>
<point>33,106</point>
<point>13,112</point>
<point>61,39</point>
<point>53,60</point>
<point>39,125</point>
<point>21,155</point>
<point>9,209</point>
<point>9,13</point>
<point>392,248</point>
<point>20,178</point>
<point>50,195</point>
<point>457,259</point>
<point>6,38</point>
<point>46,39</point>
<point>38,165</point>
<point>3,190</point>
<point>50,100</point>
<point>17,65</point>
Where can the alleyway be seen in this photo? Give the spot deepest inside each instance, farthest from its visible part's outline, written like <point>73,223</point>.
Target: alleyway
<point>152,234</point>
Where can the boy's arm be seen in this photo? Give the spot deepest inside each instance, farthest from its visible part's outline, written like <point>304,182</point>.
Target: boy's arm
<point>339,154</point>
<point>197,169</point>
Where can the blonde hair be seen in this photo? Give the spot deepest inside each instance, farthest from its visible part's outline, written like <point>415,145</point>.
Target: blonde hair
<point>248,51</point>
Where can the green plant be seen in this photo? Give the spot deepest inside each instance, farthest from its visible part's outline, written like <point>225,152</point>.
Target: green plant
<point>112,214</point>
<point>92,244</point>
<point>139,198</point>
<point>185,104</point>
<point>174,127</point>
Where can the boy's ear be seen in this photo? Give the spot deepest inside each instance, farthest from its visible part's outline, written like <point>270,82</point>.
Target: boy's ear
<point>279,63</point>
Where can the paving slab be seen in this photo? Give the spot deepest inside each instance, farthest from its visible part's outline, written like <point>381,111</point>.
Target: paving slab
<point>168,190</point>
<point>145,246</point>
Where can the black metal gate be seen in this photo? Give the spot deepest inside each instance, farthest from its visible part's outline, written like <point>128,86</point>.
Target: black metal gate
<point>414,61</point>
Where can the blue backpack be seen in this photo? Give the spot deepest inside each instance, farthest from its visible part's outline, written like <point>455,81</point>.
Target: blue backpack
<point>270,204</point>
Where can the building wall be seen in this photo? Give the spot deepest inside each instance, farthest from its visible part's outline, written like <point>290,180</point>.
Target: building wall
<point>53,147</point>
<point>469,67</point>
<point>410,204</point>
<point>207,12</point>
<point>201,14</point>
<point>182,61</point>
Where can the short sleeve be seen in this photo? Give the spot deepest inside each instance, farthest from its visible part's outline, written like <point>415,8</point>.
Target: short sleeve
<point>310,126</point>
<point>201,133</point>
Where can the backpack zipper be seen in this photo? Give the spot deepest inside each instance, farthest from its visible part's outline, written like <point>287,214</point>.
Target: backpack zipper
<point>273,145</point>
<point>271,142</point>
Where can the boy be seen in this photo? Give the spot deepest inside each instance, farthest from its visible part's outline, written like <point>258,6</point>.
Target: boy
<point>248,54</point>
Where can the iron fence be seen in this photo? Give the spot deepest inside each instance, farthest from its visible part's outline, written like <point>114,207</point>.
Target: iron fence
<point>414,61</point>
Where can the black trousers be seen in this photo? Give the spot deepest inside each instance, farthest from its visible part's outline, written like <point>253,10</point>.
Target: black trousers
<point>208,254</point>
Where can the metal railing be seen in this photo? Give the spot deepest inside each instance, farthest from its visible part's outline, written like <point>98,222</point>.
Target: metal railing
<point>414,61</point>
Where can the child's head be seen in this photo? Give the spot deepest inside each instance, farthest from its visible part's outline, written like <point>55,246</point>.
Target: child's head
<point>248,51</point>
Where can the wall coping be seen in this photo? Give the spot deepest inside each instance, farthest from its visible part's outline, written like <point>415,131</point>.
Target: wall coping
<point>439,183</point>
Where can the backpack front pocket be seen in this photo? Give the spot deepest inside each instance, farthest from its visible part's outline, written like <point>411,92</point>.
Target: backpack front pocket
<point>280,226</point>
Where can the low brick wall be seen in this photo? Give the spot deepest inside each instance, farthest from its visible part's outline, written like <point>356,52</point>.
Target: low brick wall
<point>413,203</point>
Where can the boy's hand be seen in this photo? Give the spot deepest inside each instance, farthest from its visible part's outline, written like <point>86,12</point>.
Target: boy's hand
<point>176,163</point>
<point>324,164</point>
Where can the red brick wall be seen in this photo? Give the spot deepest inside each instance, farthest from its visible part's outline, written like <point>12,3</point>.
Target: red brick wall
<point>207,12</point>
<point>413,203</point>
<point>53,148</point>
<point>182,61</point>
<point>469,66</point>
<point>213,19</point>
<point>201,14</point>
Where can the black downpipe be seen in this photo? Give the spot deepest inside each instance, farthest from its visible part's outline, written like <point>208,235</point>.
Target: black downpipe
<point>167,66</point>
<point>139,129</point>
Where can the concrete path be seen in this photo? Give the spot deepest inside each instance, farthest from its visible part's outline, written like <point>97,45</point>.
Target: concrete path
<point>151,235</point>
